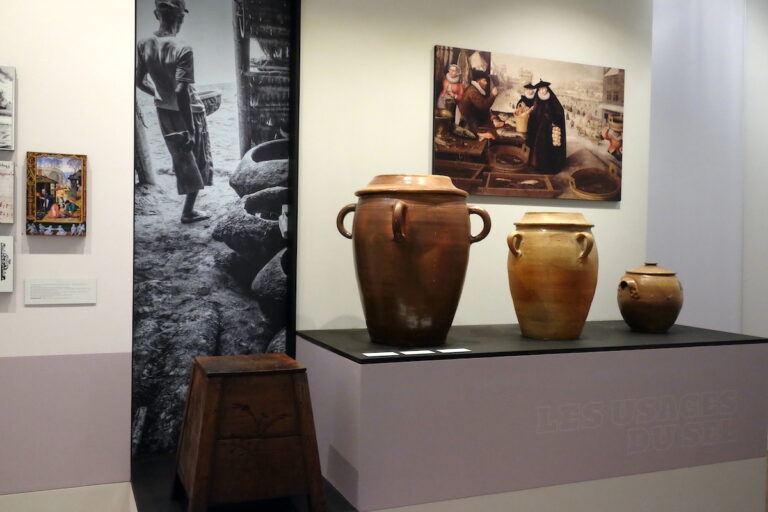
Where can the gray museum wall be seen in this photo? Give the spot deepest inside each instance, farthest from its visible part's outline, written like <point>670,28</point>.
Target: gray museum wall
<point>696,179</point>
<point>755,251</point>
<point>365,88</point>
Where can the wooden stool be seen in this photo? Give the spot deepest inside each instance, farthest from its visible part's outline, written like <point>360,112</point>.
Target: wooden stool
<point>248,433</point>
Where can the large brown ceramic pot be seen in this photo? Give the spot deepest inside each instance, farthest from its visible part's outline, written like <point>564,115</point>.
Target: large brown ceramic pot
<point>650,298</point>
<point>552,268</point>
<point>411,237</point>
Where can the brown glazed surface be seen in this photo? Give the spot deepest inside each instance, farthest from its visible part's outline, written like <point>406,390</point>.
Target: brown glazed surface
<point>552,268</point>
<point>411,246</point>
<point>650,298</point>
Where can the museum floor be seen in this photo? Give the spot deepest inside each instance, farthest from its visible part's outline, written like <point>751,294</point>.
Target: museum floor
<point>152,480</point>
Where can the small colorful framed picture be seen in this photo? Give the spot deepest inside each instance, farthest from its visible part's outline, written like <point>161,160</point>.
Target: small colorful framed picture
<point>56,194</point>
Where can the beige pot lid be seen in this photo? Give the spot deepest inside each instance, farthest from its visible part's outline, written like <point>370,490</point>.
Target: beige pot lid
<point>652,269</point>
<point>411,184</point>
<point>553,219</point>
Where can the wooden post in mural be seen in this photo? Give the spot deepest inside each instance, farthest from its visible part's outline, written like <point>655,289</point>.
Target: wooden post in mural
<point>142,161</point>
<point>242,65</point>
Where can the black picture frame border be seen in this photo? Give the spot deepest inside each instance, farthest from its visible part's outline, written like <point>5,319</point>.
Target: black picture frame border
<point>293,185</point>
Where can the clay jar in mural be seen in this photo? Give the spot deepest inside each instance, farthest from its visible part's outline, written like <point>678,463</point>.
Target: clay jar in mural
<point>552,269</point>
<point>411,237</point>
<point>650,298</point>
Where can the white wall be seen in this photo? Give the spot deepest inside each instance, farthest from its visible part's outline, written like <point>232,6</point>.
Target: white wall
<point>106,498</point>
<point>366,104</point>
<point>696,177</point>
<point>756,170</point>
<point>74,68</point>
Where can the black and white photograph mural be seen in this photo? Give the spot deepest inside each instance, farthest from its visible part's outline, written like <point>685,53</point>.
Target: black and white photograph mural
<point>213,190</point>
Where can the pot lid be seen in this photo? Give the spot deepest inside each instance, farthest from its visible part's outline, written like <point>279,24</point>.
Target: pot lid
<point>411,184</point>
<point>553,218</point>
<point>652,269</point>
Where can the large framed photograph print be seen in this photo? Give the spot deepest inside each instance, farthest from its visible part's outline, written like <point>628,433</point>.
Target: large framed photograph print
<point>214,188</point>
<point>7,108</point>
<point>56,194</point>
<point>515,126</point>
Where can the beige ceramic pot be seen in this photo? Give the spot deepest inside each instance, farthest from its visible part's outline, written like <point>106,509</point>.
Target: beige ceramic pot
<point>552,268</point>
<point>411,237</point>
<point>650,298</point>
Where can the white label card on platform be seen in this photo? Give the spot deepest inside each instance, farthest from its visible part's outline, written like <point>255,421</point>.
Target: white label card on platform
<point>453,350</point>
<point>416,352</point>
<point>379,354</point>
<point>48,292</point>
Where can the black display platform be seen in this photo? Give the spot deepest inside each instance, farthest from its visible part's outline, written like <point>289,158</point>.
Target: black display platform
<point>506,340</point>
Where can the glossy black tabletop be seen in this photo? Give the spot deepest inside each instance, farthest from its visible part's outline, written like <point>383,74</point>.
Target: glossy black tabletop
<point>505,340</point>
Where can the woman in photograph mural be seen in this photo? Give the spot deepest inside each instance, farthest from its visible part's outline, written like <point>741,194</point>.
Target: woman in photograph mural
<point>212,120</point>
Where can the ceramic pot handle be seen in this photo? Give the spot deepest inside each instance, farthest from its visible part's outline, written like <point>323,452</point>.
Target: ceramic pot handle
<point>340,220</point>
<point>589,243</point>
<point>513,241</point>
<point>486,224</point>
<point>630,283</point>
<point>398,221</point>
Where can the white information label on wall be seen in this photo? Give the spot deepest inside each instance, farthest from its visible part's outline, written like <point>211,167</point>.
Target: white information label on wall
<point>6,192</point>
<point>47,292</point>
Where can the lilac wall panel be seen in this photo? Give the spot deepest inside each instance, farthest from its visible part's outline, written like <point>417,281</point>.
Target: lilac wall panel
<point>64,421</point>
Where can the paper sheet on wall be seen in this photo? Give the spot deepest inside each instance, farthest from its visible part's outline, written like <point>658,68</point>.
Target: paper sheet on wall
<point>6,263</point>
<point>6,192</point>
<point>46,292</point>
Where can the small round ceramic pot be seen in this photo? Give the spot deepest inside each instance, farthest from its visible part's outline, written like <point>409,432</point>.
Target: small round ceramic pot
<point>650,298</point>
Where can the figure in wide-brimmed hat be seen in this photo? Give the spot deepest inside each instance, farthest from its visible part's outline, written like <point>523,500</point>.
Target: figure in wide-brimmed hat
<point>475,105</point>
<point>168,62</point>
<point>546,131</point>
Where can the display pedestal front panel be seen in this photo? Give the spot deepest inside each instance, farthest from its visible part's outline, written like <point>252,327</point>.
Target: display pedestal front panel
<point>511,414</point>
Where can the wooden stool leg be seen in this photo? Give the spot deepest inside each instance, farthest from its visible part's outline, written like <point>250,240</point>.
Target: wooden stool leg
<point>197,503</point>
<point>316,502</point>
<point>178,493</point>
<point>309,443</point>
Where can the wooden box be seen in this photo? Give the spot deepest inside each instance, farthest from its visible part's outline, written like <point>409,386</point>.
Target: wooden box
<point>248,433</point>
<point>518,185</point>
<point>508,158</point>
<point>461,149</point>
<point>464,175</point>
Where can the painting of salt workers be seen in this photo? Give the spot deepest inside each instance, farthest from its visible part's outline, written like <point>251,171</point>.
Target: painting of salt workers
<point>6,192</point>
<point>56,193</point>
<point>527,127</point>
<point>7,107</point>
